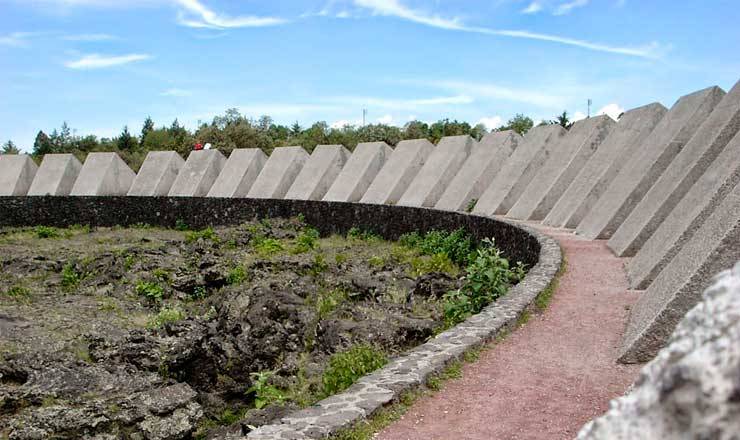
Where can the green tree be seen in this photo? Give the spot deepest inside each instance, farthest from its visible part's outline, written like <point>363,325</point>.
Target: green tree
<point>42,145</point>
<point>9,148</point>
<point>415,130</point>
<point>519,123</point>
<point>295,129</point>
<point>563,120</point>
<point>126,141</point>
<point>146,129</point>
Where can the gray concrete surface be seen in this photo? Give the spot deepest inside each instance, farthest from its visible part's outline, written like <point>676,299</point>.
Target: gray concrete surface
<point>16,174</point>
<point>438,171</point>
<point>518,170</point>
<point>685,169</point>
<point>103,174</point>
<point>56,176</point>
<point>479,170</point>
<point>239,173</point>
<point>652,158</point>
<point>398,171</point>
<point>570,155</point>
<point>359,172</point>
<point>319,172</point>
<point>721,178</point>
<point>157,174</point>
<point>198,174</point>
<point>713,248</point>
<point>279,172</point>
<point>633,128</point>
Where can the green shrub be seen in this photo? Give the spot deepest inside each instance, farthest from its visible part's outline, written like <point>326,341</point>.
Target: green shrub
<point>206,234</point>
<point>376,261</point>
<point>362,234</point>
<point>346,367</point>
<point>306,241</point>
<point>266,247</point>
<point>166,315</point>
<point>340,258</point>
<point>264,394</point>
<point>70,277</point>
<point>199,292</point>
<point>17,292</point>
<point>161,275</point>
<point>150,290</point>
<point>236,275</point>
<point>46,232</point>
<point>437,263</point>
<point>328,300</point>
<point>318,266</point>
<point>457,245</point>
<point>180,225</point>
<point>487,278</point>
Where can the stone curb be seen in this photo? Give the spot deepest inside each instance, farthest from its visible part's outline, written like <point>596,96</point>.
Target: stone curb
<point>385,386</point>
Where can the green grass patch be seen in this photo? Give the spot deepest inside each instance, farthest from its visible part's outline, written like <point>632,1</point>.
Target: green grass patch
<point>346,367</point>
<point>204,234</point>
<point>236,275</point>
<point>306,241</point>
<point>70,277</point>
<point>150,290</point>
<point>545,297</point>
<point>46,232</point>
<point>17,291</point>
<point>166,315</point>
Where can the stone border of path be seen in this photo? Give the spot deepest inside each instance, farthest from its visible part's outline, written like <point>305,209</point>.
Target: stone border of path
<point>385,386</point>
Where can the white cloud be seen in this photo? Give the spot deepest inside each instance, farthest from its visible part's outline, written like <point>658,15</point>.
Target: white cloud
<point>385,119</point>
<point>89,37</point>
<point>491,123</point>
<point>17,39</point>
<point>96,61</point>
<point>395,8</point>
<point>178,93</point>
<point>612,110</point>
<point>577,116</point>
<point>533,8</point>
<point>344,123</point>
<point>195,14</point>
<point>567,7</point>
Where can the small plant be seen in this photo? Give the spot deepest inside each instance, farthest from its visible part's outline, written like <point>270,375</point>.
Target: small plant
<point>199,292</point>
<point>180,225</point>
<point>471,205</point>
<point>328,301</point>
<point>236,275</point>
<point>264,394</point>
<point>301,218</point>
<point>129,261</point>
<point>266,247</point>
<point>376,261</point>
<point>318,266</point>
<point>46,232</point>
<point>18,291</point>
<point>340,258</point>
<point>306,241</point>
<point>205,234</point>
<point>437,263</point>
<point>166,315</point>
<point>161,275</point>
<point>70,277</point>
<point>150,290</point>
<point>346,367</point>
<point>362,234</point>
<point>457,245</point>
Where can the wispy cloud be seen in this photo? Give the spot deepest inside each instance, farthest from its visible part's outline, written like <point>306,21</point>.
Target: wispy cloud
<point>492,122</point>
<point>177,93</point>
<point>566,8</point>
<point>195,14</point>
<point>533,8</point>
<point>17,39</point>
<point>495,91</point>
<point>394,8</point>
<point>96,61</point>
<point>90,37</point>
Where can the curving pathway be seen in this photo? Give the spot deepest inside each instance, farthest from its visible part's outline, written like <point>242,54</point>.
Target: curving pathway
<point>547,378</point>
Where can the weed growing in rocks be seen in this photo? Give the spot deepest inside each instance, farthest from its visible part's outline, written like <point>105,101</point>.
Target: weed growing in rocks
<point>457,245</point>
<point>265,393</point>
<point>46,232</point>
<point>307,240</point>
<point>152,291</point>
<point>166,315</point>
<point>348,366</point>
<point>17,291</point>
<point>267,247</point>
<point>237,275</point>
<point>70,277</point>
<point>204,234</point>
<point>362,234</point>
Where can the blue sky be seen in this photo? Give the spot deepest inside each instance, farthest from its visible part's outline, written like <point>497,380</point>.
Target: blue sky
<point>103,64</point>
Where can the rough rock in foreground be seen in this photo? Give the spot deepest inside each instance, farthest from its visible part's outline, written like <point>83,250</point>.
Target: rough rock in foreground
<point>691,390</point>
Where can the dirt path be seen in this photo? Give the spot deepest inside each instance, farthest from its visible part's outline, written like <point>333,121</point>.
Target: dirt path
<point>548,378</point>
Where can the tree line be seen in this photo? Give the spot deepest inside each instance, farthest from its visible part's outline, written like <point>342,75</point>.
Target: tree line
<point>234,130</point>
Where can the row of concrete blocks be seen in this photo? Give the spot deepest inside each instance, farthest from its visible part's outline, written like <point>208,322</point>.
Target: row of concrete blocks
<point>662,185</point>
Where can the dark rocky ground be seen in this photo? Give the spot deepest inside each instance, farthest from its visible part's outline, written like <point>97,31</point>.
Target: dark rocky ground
<point>148,333</point>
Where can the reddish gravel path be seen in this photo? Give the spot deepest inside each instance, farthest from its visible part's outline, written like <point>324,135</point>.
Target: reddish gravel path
<point>547,378</point>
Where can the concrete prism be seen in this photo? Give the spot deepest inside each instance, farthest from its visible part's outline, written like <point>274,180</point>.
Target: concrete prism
<point>479,170</point>
<point>685,169</point>
<point>16,174</point>
<point>157,174</point>
<point>715,247</point>
<point>279,172</point>
<point>399,170</point>
<point>239,173</point>
<point>721,178</point>
<point>198,174</point>
<point>438,171</point>
<point>519,169</point>
<point>103,174</point>
<point>56,175</point>
<point>573,151</point>
<point>645,167</point>
<point>319,172</point>
<point>634,126</point>
<point>359,172</point>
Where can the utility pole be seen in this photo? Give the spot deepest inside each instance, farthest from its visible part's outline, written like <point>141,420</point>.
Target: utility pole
<point>364,115</point>
<point>589,107</point>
